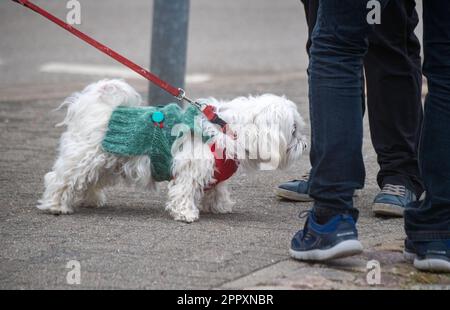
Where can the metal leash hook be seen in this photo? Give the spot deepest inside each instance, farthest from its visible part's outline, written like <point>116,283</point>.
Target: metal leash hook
<point>208,110</point>
<point>182,97</point>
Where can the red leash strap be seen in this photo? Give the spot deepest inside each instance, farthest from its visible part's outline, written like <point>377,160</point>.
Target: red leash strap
<point>145,73</point>
<point>179,93</point>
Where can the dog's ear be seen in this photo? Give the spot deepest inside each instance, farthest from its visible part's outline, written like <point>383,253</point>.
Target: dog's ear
<point>266,139</point>
<point>272,148</point>
<point>249,139</point>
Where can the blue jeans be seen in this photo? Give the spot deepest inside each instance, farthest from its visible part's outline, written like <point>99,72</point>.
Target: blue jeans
<point>393,70</point>
<point>431,219</point>
<point>339,43</point>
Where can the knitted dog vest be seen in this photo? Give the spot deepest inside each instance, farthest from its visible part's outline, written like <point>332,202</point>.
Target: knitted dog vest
<point>137,131</point>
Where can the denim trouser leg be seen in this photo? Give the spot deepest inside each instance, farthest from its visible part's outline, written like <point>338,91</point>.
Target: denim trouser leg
<point>431,220</point>
<point>339,43</point>
<point>394,95</point>
<point>393,69</point>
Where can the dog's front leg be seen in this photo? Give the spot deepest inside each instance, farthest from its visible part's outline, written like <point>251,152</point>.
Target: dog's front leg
<point>182,202</point>
<point>217,199</point>
<point>193,170</point>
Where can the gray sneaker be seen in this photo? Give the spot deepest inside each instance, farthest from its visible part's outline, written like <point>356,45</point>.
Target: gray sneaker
<point>392,200</point>
<point>297,190</point>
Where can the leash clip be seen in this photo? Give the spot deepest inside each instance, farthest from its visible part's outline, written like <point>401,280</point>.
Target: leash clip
<point>207,110</point>
<point>181,94</point>
<point>182,97</point>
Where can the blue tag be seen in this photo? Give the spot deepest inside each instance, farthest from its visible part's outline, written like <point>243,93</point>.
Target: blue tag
<point>157,117</point>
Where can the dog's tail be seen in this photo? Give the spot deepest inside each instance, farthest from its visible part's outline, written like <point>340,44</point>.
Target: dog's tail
<point>98,100</point>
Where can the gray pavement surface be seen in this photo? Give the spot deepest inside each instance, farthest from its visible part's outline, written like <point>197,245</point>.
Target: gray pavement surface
<point>132,242</point>
<point>224,37</point>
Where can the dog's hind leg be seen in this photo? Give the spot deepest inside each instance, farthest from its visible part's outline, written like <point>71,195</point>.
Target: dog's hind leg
<point>105,173</point>
<point>192,169</point>
<point>217,199</point>
<point>57,196</point>
<point>94,197</point>
<point>60,195</point>
<point>73,175</point>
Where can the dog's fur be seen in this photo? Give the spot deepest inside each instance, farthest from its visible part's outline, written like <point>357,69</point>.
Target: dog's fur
<point>83,170</point>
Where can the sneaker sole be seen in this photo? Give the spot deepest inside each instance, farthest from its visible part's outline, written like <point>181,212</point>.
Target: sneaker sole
<point>409,256</point>
<point>386,209</point>
<point>294,196</point>
<point>343,249</point>
<point>432,264</point>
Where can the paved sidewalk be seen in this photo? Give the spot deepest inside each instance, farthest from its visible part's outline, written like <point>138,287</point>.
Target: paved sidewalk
<point>132,242</point>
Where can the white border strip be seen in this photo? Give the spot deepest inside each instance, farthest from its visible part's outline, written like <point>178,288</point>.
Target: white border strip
<point>108,71</point>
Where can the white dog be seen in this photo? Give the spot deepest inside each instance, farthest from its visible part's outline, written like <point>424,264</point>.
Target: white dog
<point>266,134</point>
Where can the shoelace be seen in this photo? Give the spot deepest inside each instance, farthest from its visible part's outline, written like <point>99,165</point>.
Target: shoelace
<point>304,177</point>
<point>396,190</point>
<point>304,214</point>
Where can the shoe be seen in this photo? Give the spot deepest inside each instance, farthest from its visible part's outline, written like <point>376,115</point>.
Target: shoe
<point>409,253</point>
<point>432,256</point>
<point>392,200</point>
<point>335,239</point>
<point>297,190</point>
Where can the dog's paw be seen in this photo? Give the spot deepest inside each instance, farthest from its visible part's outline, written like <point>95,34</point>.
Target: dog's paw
<point>224,209</point>
<point>94,201</point>
<point>60,211</point>
<point>89,205</point>
<point>218,208</point>
<point>187,217</point>
<point>56,210</point>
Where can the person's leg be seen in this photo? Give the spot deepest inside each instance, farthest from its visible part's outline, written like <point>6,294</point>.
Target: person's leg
<point>428,225</point>
<point>311,9</point>
<point>394,84</point>
<point>339,43</point>
<point>298,189</point>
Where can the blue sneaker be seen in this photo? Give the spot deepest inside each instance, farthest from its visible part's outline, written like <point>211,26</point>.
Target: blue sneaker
<point>335,239</point>
<point>392,200</point>
<point>433,256</point>
<point>296,190</point>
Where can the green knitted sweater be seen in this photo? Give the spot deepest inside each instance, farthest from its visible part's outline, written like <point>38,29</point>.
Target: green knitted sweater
<point>132,131</point>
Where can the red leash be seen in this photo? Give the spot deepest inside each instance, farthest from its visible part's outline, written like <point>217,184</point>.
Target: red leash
<point>179,93</point>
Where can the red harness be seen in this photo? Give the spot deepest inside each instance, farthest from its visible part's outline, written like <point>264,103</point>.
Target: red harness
<point>224,167</point>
